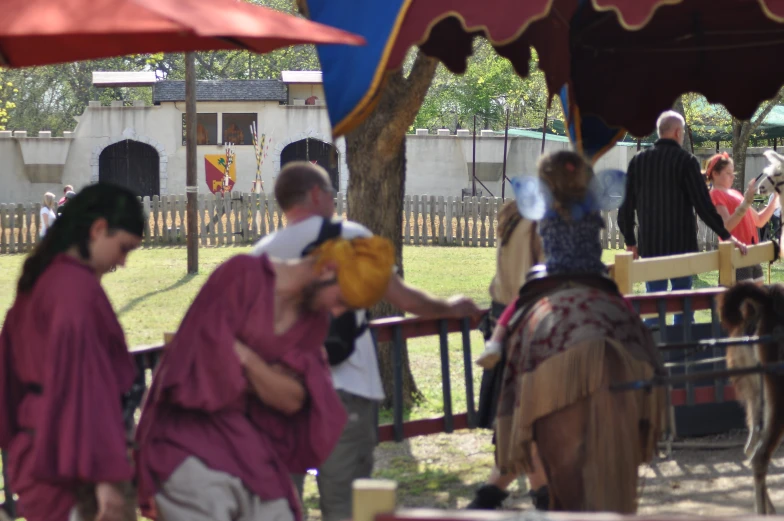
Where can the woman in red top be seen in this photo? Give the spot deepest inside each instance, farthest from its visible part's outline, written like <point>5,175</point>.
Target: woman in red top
<point>740,218</point>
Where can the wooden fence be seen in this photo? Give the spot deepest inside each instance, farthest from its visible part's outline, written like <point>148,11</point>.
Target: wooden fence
<point>243,218</point>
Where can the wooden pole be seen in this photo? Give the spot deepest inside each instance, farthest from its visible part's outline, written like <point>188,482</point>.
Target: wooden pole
<point>191,187</point>
<point>506,138</point>
<point>544,127</point>
<point>372,497</point>
<point>622,272</point>
<point>473,164</point>
<point>639,144</point>
<point>726,269</point>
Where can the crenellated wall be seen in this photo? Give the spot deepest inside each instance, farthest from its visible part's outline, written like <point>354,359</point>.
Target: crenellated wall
<point>437,164</point>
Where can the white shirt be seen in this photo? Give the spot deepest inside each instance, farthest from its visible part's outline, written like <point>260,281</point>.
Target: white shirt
<point>358,374</point>
<point>52,217</point>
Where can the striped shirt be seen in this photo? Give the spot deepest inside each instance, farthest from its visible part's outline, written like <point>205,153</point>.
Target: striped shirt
<point>664,187</point>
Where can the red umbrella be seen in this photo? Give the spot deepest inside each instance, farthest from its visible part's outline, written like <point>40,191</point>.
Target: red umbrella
<point>41,32</point>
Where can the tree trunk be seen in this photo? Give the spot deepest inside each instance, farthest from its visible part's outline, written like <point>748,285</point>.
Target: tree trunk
<point>376,158</point>
<point>741,133</point>
<point>740,144</point>
<point>678,107</point>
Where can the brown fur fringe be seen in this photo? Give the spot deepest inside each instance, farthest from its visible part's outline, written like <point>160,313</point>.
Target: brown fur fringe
<point>622,430</point>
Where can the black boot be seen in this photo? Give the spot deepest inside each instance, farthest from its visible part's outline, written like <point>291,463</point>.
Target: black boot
<point>488,497</point>
<point>541,498</point>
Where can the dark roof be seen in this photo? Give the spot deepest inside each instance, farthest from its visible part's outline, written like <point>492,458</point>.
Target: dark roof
<point>222,90</point>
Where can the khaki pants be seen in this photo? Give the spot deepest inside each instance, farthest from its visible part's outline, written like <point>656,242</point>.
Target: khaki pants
<point>195,492</point>
<point>352,458</point>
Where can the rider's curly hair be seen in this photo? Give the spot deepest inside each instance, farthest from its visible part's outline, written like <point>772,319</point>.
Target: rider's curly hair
<point>567,175</point>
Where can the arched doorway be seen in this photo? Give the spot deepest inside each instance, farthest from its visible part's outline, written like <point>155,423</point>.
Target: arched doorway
<point>317,152</point>
<point>132,164</point>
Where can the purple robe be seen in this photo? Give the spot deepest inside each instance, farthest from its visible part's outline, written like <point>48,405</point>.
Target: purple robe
<point>199,403</point>
<point>64,366</point>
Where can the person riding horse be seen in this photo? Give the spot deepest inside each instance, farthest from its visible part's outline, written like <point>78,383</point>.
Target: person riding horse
<point>573,335</point>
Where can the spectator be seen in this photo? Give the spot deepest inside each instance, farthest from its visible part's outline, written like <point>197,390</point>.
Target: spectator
<point>305,194</point>
<point>61,206</point>
<point>664,187</point>
<point>47,213</point>
<point>740,218</point>
<point>68,188</point>
<point>519,249</point>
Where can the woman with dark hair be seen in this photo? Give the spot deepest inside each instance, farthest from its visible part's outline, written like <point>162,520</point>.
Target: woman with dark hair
<point>64,366</point>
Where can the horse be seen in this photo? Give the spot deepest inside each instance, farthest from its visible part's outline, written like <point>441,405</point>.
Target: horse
<point>571,340</point>
<point>772,177</point>
<point>748,309</point>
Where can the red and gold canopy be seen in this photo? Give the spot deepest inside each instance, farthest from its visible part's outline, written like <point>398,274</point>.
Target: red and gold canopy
<point>625,60</point>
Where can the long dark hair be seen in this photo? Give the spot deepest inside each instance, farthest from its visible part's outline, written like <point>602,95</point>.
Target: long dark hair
<point>119,206</point>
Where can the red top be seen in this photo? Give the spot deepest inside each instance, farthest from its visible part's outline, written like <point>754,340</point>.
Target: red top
<point>64,365</point>
<point>199,404</point>
<point>745,231</point>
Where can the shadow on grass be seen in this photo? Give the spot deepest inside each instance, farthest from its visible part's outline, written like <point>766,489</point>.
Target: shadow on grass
<point>185,279</point>
<point>428,483</point>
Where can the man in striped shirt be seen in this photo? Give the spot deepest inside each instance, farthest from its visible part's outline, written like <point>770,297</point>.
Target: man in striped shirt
<point>664,188</point>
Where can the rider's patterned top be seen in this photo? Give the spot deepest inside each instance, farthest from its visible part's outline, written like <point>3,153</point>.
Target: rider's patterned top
<point>572,246</point>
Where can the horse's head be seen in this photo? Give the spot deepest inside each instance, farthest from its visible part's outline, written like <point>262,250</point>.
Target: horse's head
<point>749,309</point>
<point>772,177</point>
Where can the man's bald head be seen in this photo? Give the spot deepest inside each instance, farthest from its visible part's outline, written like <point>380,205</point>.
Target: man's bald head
<point>671,125</point>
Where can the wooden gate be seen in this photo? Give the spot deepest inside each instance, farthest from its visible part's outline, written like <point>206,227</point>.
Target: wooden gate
<point>317,152</point>
<point>131,164</point>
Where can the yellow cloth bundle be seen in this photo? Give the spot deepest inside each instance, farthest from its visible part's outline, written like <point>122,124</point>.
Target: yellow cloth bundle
<point>363,265</point>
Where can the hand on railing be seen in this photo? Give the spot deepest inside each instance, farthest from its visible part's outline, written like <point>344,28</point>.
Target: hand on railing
<point>633,249</point>
<point>460,306</point>
<point>741,246</point>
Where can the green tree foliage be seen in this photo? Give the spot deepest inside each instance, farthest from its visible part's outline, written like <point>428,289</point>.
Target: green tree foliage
<point>489,87</point>
<point>50,98</point>
<point>8,93</point>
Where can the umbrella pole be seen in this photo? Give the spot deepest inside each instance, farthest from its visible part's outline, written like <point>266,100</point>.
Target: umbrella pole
<point>473,163</point>
<point>506,138</point>
<point>191,188</point>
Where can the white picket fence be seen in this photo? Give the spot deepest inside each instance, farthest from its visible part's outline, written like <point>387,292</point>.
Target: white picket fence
<point>243,218</point>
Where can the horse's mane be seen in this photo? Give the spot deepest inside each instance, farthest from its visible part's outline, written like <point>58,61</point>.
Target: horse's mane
<point>754,309</point>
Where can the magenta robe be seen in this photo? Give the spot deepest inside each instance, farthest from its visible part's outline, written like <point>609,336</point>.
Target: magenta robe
<point>199,404</point>
<point>64,365</point>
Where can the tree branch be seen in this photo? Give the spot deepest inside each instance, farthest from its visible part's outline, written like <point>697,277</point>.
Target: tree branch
<point>764,114</point>
<point>403,98</point>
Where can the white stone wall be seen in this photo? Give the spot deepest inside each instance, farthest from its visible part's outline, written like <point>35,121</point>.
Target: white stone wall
<point>436,164</point>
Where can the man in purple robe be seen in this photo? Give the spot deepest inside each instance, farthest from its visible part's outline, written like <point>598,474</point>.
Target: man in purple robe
<point>243,396</point>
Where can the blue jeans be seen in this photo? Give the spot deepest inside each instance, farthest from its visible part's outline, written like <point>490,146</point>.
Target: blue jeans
<point>661,285</point>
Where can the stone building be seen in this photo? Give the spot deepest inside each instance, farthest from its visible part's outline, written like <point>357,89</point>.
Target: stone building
<point>143,146</point>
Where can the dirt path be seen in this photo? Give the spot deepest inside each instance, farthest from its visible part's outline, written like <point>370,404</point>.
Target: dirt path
<point>443,471</point>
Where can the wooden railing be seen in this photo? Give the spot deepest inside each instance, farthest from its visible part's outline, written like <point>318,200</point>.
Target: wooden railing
<point>627,271</point>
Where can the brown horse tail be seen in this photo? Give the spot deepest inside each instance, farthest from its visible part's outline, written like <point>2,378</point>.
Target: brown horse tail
<point>614,449</point>
<point>733,314</point>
